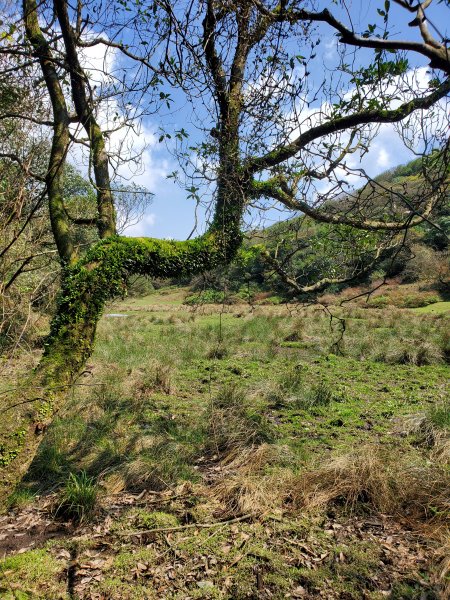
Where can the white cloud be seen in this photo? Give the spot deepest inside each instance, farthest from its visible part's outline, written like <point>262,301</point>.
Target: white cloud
<point>331,46</point>
<point>143,228</point>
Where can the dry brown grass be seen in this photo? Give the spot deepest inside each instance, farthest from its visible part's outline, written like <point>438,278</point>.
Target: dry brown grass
<point>362,477</point>
<point>375,480</point>
<point>235,423</point>
<point>436,438</point>
<point>442,561</point>
<point>143,474</point>
<point>441,450</point>
<point>259,479</point>
<point>249,482</point>
<point>157,377</point>
<point>254,482</point>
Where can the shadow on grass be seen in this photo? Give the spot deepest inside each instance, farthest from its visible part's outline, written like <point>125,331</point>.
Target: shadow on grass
<point>140,441</point>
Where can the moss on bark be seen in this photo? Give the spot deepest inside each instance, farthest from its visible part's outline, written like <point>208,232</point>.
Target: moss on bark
<point>100,275</point>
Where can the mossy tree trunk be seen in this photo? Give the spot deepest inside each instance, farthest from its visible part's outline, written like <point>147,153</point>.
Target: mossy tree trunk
<point>87,283</point>
<point>86,286</point>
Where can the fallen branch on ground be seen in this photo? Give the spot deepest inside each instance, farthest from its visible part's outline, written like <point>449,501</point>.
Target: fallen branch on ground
<point>189,526</point>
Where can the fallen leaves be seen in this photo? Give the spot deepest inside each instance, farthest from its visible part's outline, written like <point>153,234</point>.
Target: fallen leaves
<point>213,558</point>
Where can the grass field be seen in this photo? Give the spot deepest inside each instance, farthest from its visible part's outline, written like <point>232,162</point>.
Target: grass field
<point>246,452</point>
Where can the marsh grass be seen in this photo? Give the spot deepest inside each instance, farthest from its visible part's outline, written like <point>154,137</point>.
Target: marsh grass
<point>396,338</point>
<point>159,398</point>
<point>281,426</point>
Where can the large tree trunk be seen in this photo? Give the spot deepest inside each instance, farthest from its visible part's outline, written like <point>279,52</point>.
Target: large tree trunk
<point>87,285</point>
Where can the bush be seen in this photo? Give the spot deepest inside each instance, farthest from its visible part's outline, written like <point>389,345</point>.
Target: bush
<point>423,266</point>
<point>207,297</point>
<point>379,302</point>
<point>275,300</point>
<point>418,300</point>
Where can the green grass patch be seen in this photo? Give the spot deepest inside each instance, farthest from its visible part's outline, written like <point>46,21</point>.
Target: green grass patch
<point>436,309</point>
<point>284,396</point>
<point>32,574</point>
<point>78,498</point>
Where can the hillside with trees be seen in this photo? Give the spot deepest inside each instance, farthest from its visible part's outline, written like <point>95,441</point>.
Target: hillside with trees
<point>306,250</point>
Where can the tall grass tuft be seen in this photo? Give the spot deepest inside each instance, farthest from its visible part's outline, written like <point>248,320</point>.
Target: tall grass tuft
<point>439,414</point>
<point>78,498</point>
<point>234,422</point>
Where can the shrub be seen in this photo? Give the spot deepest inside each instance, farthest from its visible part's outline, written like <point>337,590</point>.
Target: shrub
<point>444,343</point>
<point>207,297</point>
<point>418,300</point>
<point>275,300</point>
<point>139,285</point>
<point>379,302</point>
<point>424,264</point>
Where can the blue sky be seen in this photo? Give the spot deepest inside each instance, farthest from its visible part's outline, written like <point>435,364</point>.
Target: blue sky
<point>172,213</point>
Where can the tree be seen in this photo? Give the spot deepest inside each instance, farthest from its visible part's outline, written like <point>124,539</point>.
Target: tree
<point>26,246</point>
<point>248,62</point>
<point>300,141</point>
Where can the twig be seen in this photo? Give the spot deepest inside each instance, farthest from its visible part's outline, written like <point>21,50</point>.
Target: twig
<point>189,526</point>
